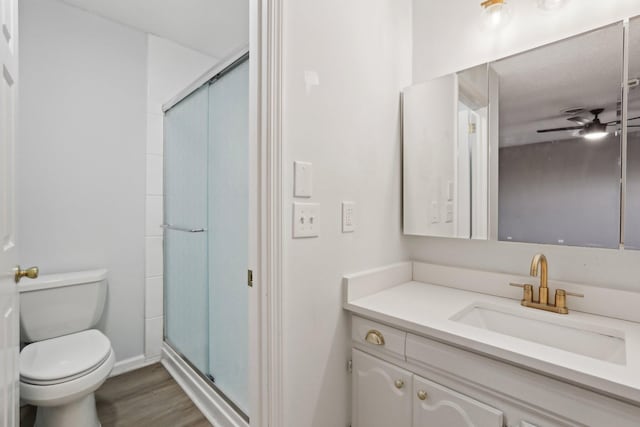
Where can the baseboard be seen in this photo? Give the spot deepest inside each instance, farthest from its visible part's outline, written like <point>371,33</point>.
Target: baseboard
<point>217,411</point>
<point>133,363</point>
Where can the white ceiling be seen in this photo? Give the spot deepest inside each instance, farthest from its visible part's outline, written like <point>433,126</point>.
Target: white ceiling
<point>212,27</point>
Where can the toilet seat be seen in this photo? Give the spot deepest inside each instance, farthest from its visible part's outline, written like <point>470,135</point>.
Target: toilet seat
<point>62,359</point>
<point>69,391</point>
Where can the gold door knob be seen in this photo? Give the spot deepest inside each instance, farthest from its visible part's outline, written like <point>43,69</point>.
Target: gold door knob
<point>374,337</point>
<point>422,395</point>
<point>399,383</point>
<point>31,273</point>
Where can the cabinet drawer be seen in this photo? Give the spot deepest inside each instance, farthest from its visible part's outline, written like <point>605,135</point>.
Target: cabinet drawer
<point>380,337</point>
<point>437,405</point>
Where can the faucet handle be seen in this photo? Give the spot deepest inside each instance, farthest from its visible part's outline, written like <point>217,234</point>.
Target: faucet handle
<point>561,300</point>
<point>572,294</point>
<point>528,291</point>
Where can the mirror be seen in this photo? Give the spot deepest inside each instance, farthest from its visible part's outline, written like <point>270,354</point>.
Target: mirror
<point>632,200</point>
<point>559,141</point>
<point>445,161</point>
<point>544,162</point>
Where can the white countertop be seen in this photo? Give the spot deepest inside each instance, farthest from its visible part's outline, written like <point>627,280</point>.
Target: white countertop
<point>425,310</point>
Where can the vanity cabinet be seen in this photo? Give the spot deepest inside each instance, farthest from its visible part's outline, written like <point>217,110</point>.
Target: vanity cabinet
<point>410,380</point>
<point>381,393</point>
<point>385,395</point>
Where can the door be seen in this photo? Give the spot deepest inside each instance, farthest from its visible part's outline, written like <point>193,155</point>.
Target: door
<point>436,405</point>
<point>381,393</point>
<point>186,292</point>
<point>9,332</point>
<point>206,239</point>
<point>229,237</point>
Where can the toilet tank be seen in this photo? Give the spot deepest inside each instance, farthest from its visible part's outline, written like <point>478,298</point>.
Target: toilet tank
<point>59,304</point>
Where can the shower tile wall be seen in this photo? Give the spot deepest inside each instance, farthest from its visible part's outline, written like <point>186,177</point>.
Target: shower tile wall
<point>170,68</point>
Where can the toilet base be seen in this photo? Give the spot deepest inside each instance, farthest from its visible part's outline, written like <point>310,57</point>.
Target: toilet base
<point>77,413</point>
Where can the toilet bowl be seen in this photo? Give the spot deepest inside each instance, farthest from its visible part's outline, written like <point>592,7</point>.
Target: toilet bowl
<point>64,362</point>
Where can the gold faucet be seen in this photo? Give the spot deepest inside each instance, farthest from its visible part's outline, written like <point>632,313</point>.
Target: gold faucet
<point>543,290</point>
<point>542,302</point>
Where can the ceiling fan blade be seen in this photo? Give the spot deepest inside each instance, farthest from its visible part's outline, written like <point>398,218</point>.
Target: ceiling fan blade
<point>618,121</point>
<point>579,120</point>
<point>560,129</point>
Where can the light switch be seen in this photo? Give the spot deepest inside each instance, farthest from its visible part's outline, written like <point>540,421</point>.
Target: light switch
<point>303,179</point>
<point>306,220</point>
<point>348,217</point>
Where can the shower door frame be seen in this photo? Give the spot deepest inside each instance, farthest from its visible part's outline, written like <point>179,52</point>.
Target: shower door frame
<point>209,77</point>
<point>266,218</point>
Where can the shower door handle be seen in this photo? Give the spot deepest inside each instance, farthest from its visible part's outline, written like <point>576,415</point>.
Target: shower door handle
<point>183,229</point>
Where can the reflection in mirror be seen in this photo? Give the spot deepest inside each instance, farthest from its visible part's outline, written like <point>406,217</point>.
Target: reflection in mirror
<point>445,156</point>
<point>632,202</point>
<point>559,141</point>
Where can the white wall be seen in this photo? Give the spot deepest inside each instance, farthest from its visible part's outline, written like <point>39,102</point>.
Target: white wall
<point>448,35</point>
<point>170,68</point>
<point>81,154</point>
<point>348,126</point>
<point>91,107</point>
<point>467,45</point>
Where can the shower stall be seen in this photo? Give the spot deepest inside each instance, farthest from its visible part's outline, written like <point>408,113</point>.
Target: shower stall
<point>206,215</point>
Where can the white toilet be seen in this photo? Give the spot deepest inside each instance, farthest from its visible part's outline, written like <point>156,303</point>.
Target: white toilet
<point>65,361</point>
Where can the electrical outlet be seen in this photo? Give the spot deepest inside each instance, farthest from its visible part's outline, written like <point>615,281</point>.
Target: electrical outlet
<point>348,217</point>
<point>306,221</point>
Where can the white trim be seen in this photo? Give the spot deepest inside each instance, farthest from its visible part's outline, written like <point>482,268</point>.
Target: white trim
<point>258,368</point>
<point>206,76</point>
<point>131,364</point>
<point>271,216</point>
<point>217,411</point>
<point>623,120</point>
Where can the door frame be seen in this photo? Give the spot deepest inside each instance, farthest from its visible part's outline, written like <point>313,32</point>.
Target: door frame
<point>267,218</point>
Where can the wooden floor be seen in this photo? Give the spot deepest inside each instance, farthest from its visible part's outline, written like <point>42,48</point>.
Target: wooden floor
<point>146,397</point>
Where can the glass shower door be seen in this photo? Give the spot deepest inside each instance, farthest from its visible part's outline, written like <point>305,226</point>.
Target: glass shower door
<point>185,239</point>
<point>207,232</point>
<point>228,239</point>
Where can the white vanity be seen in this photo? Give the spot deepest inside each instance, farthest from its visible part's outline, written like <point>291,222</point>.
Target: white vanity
<point>443,346</point>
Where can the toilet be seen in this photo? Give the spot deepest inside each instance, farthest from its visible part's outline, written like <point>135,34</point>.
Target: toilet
<point>64,360</point>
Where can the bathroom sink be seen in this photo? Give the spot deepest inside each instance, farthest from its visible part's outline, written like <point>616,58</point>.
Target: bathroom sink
<point>548,329</point>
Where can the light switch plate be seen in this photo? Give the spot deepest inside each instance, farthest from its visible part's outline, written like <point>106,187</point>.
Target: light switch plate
<point>348,217</point>
<point>302,179</point>
<point>306,220</point>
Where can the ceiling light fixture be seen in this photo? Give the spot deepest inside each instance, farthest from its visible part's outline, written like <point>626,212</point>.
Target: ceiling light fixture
<point>598,131</point>
<point>496,13</point>
<point>594,130</point>
<point>551,4</point>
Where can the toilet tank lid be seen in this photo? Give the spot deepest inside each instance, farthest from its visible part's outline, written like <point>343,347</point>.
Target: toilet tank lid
<point>46,281</point>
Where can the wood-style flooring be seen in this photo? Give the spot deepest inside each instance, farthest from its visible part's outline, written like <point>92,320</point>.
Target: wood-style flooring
<point>145,397</point>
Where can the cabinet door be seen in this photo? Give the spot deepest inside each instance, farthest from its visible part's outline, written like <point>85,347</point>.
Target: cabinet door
<point>381,393</point>
<point>435,406</point>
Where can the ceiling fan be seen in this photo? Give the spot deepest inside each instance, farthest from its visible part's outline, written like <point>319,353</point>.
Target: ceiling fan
<point>590,129</point>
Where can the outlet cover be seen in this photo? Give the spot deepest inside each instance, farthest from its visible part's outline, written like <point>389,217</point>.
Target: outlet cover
<point>348,217</point>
